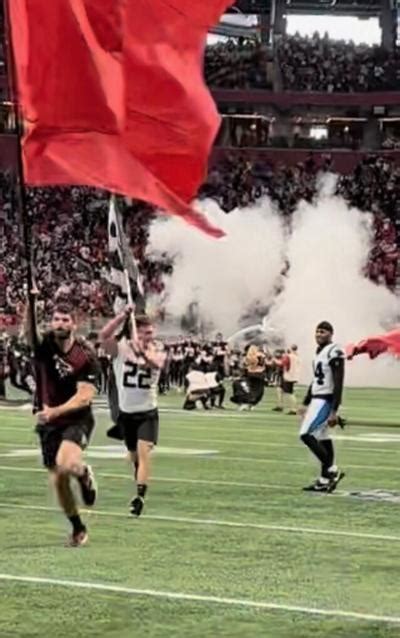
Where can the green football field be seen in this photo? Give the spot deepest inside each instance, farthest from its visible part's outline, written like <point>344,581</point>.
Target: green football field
<point>229,545</point>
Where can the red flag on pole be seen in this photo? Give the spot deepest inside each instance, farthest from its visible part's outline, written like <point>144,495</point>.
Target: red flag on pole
<point>374,346</point>
<point>113,96</point>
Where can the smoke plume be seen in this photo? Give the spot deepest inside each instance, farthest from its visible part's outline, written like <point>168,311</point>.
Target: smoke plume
<point>327,247</point>
<point>226,276</point>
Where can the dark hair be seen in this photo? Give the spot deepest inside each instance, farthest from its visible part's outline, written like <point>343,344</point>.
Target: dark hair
<point>64,308</point>
<point>143,321</point>
<point>325,325</point>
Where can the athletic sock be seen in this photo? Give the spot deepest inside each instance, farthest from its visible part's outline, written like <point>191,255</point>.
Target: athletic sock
<point>316,448</point>
<point>77,525</point>
<point>327,444</point>
<point>141,490</point>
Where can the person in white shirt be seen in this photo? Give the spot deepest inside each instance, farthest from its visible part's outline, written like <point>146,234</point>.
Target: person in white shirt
<point>197,388</point>
<point>137,362</point>
<point>291,374</point>
<point>321,405</point>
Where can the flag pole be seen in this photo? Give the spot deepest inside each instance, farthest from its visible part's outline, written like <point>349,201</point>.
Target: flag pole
<point>126,272</point>
<point>20,191</point>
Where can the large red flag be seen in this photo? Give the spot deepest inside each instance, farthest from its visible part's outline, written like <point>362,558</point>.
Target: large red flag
<point>113,96</point>
<point>374,346</point>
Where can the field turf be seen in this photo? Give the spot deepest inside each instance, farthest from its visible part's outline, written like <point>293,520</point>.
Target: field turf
<point>229,545</point>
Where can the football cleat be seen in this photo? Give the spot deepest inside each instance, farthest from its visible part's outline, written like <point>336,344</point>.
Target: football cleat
<point>317,486</point>
<point>137,505</point>
<point>88,487</point>
<point>78,539</point>
<point>334,480</point>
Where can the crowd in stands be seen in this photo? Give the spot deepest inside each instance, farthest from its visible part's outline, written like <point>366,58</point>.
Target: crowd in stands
<point>240,64</point>
<point>69,227</point>
<point>70,248</point>
<point>373,186</point>
<point>321,64</point>
<point>315,63</point>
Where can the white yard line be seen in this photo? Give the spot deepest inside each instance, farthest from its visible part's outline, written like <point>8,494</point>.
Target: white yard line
<point>313,531</point>
<point>200,598</point>
<point>266,444</point>
<point>166,479</point>
<point>246,459</point>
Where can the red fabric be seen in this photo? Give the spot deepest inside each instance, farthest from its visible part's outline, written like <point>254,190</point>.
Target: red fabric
<point>286,362</point>
<point>113,96</point>
<point>374,346</point>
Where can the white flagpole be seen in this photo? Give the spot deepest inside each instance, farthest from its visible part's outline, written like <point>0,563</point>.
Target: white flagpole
<point>126,273</point>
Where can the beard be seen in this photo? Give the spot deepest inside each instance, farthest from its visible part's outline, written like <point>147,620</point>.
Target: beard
<point>62,334</point>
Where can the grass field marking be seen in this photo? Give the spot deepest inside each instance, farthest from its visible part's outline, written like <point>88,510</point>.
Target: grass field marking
<point>166,479</point>
<point>207,522</point>
<point>200,598</point>
<point>342,447</point>
<point>296,444</point>
<point>247,459</point>
<point>220,457</point>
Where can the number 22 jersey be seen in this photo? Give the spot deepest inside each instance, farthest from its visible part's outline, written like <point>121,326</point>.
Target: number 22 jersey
<point>322,383</point>
<point>136,381</point>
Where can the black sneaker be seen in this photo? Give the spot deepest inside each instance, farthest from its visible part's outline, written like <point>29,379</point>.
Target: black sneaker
<point>334,480</point>
<point>88,487</point>
<point>317,486</point>
<point>77,539</point>
<point>137,505</point>
<point>277,409</point>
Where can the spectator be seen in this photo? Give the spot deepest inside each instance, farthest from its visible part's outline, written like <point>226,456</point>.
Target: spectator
<point>241,64</point>
<point>321,64</point>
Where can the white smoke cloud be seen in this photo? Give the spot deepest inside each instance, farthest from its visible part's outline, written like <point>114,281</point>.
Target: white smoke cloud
<point>327,250</point>
<point>223,276</point>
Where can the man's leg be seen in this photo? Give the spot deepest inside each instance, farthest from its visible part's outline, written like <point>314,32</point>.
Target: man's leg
<point>69,461</point>
<point>315,418</point>
<point>292,403</point>
<point>279,400</point>
<point>290,399</point>
<point>142,459</point>
<point>135,463</point>
<point>145,436</point>
<point>2,387</point>
<point>62,486</point>
<point>221,395</point>
<point>330,471</point>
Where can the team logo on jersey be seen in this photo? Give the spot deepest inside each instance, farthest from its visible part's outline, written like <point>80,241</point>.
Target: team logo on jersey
<point>62,367</point>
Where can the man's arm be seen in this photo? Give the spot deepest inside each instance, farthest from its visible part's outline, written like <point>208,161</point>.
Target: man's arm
<point>337,366</point>
<point>82,399</point>
<point>106,335</point>
<point>154,358</point>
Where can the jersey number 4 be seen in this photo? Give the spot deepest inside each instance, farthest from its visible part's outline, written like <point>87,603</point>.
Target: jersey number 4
<point>319,373</point>
<point>135,378</point>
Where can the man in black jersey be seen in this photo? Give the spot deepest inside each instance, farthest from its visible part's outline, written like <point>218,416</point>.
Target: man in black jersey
<point>68,371</point>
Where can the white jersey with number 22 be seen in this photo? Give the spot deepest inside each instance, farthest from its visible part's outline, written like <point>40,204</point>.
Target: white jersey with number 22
<point>136,381</point>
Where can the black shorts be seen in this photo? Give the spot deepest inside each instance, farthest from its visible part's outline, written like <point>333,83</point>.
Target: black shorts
<point>137,426</point>
<point>287,387</point>
<point>51,437</point>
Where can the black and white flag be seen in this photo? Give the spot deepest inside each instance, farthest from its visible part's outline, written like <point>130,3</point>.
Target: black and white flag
<point>124,272</point>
